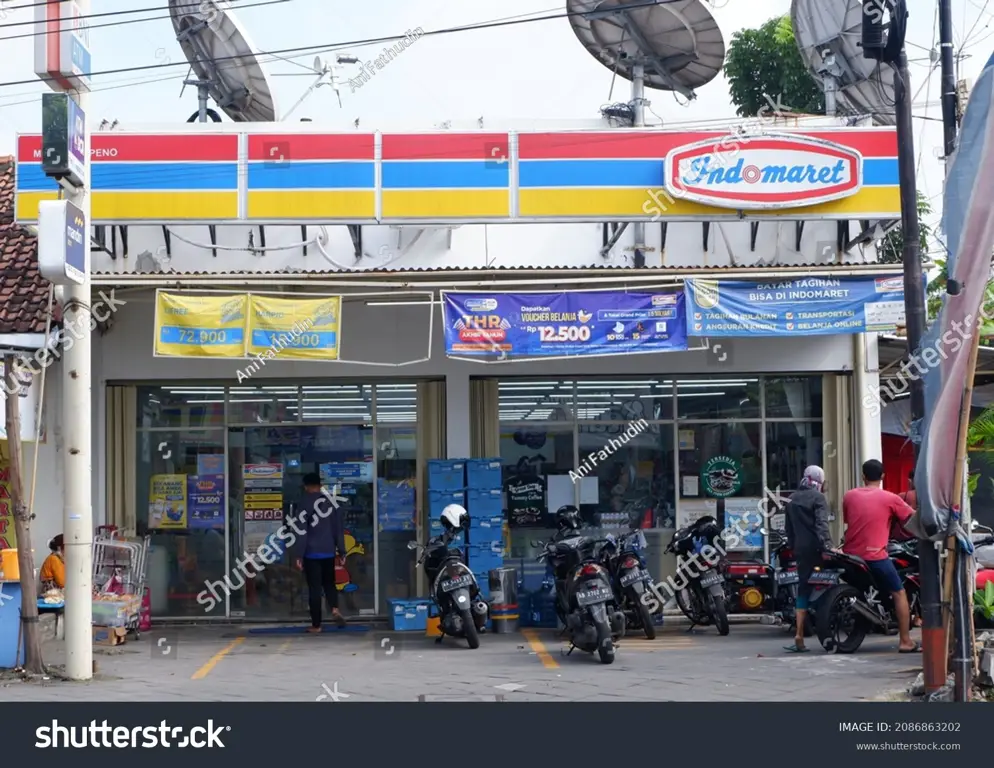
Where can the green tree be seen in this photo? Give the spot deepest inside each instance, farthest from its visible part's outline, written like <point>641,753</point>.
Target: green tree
<point>766,62</point>
<point>891,249</point>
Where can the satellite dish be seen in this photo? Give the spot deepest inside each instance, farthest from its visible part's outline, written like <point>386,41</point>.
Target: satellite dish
<point>677,42</point>
<point>224,60</point>
<point>828,33</point>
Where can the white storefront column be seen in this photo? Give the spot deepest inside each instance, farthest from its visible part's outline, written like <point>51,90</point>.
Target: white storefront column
<point>869,443</point>
<point>457,415</point>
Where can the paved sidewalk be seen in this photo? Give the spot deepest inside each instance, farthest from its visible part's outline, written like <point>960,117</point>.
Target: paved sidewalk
<point>229,664</point>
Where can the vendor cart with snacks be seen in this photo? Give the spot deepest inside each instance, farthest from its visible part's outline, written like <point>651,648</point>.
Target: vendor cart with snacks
<point>119,581</point>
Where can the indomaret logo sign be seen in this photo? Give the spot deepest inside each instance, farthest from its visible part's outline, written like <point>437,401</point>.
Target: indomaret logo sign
<point>764,172</point>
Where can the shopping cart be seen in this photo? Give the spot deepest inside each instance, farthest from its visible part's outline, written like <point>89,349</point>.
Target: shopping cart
<point>119,581</point>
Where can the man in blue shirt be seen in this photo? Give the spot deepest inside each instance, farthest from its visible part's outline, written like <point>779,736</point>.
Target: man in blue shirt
<point>321,546</point>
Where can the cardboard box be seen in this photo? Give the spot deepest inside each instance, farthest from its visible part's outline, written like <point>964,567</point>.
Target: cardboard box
<point>109,635</point>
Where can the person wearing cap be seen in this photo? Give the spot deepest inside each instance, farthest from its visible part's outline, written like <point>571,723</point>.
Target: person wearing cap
<point>806,518</point>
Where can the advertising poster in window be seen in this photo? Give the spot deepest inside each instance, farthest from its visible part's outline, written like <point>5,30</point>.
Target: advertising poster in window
<point>263,503</point>
<point>508,325</point>
<point>300,329</point>
<point>810,306</point>
<point>8,537</point>
<point>205,494</point>
<point>691,510</point>
<point>395,505</point>
<point>167,502</point>
<point>526,501</point>
<point>744,516</point>
<point>199,326</point>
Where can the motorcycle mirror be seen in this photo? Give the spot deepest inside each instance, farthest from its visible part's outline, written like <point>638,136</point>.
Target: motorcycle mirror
<point>412,545</point>
<point>536,543</point>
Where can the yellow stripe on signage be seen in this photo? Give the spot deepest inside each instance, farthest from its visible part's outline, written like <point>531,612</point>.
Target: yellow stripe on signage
<point>312,204</point>
<point>594,203</point>
<point>446,203</point>
<point>26,204</point>
<point>200,326</point>
<point>164,206</point>
<point>300,329</point>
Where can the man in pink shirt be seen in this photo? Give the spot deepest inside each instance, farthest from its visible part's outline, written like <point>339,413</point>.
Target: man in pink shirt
<point>869,512</point>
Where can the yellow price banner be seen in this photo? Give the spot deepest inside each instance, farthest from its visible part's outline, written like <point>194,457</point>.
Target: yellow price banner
<point>200,326</point>
<point>302,329</point>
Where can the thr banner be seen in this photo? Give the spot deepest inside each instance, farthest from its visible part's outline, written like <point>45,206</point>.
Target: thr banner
<point>200,326</point>
<point>506,325</point>
<point>301,329</point>
<point>809,306</point>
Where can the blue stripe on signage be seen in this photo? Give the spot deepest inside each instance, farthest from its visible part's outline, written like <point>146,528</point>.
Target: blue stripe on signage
<point>880,172</point>
<point>140,177</point>
<point>171,334</point>
<point>449,174</point>
<point>306,340</point>
<point>311,175</point>
<point>590,173</point>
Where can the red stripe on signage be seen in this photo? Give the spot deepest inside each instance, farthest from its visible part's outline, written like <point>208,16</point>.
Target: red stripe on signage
<point>445,146</point>
<point>146,148</point>
<point>53,37</point>
<point>312,146</point>
<point>620,146</point>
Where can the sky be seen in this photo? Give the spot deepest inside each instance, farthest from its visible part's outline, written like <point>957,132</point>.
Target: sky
<point>520,73</point>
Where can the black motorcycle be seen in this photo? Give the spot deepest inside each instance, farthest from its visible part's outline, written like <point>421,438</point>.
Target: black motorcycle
<point>630,578</point>
<point>702,598</point>
<point>462,610</point>
<point>585,600</point>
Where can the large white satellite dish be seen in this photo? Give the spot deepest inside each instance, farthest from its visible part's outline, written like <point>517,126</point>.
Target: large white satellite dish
<point>224,60</point>
<point>677,43</point>
<point>828,33</point>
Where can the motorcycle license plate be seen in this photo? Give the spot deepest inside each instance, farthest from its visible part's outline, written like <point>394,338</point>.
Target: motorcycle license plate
<point>824,577</point>
<point>450,585</point>
<point>787,577</point>
<point>631,577</point>
<point>710,578</point>
<point>591,596</point>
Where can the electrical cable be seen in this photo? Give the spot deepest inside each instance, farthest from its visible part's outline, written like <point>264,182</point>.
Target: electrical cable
<point>928,91</point>
<point>192,4</point>
<point>304,50</point>
<point>966,38</point>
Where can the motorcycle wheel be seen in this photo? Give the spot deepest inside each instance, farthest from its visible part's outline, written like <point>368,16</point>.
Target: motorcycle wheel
<point>646,619</point>
<point>685,602</point>
<point>605,646</point>
<point>469,628</point>
<point>836,614</point>
<point>720,615</point>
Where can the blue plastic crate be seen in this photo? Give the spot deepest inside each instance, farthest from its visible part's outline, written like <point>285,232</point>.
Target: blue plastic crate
<point>439,500</point>
<point>483,473</point>
<point>488,537</point>
<point>484,503</point>
<point>493,523</point>
<point>483,560</point>
<point>446,474</point>
<point>409,615</point>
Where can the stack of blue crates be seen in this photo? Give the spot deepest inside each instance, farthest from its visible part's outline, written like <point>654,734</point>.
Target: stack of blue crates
<point>484,502</point>
<point>446,485</point>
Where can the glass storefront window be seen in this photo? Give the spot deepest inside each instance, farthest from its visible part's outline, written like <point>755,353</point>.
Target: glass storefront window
<point>187,538</point>
<point>791,446</point>
<point>262,405</point>
<point>350,403</point>
<point>622,400</point>
<point>397,505</point>
<point>795,397</point>
<point>180,406</point>
<point>711,399</point>
<point>535,400</point>
<point>396,403</point>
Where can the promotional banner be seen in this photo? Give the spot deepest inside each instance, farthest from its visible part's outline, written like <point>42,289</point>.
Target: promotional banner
<point>200,326</point>
<point>810,306</point>
<point>504,325</point>
<point>167,502</point>
<point>8,536</point>
<point>302,329</point>
<point>205,495</point>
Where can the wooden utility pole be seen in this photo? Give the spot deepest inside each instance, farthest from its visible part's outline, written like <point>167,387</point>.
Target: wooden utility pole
<point>22,524</point>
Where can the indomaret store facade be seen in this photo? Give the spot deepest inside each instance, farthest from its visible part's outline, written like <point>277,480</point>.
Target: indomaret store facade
<point>370,301</point>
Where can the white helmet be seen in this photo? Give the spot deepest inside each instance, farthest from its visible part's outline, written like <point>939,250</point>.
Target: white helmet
<point>453,517</point>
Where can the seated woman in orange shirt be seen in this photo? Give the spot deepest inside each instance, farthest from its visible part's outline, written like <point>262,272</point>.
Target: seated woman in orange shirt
<point>53,570</point>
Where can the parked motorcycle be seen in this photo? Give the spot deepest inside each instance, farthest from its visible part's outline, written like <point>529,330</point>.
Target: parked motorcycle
<point>702,600</point>
<point>630,578</point>
<point>462,610</point>
<point>585,600</point>
<point>850,604</point>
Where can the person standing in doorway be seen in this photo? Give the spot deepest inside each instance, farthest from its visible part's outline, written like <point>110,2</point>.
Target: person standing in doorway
<point>321,547</point>
<point>870,513</point>
<point>806,519</point>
